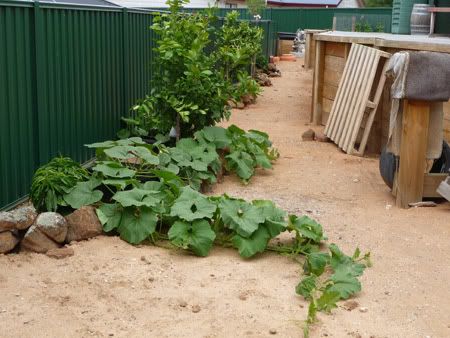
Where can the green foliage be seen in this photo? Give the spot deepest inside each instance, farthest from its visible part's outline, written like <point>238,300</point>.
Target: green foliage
<point>255,7</point>
<point>187,92</point>
<point>193,86</point>
<point>240,216</point>
<point>196,236</point>
<point>329,278</point>
<point>53,180</point>
<point>248,151</point>
<point>245,87</point>
<point>262,62</point>
<point>363,26</point>
<point>83,193</point>
<point>379,28</point>
<point>238,45</point>
<point>191,206</point>
<point>145,192</point>
<point>378,3</point>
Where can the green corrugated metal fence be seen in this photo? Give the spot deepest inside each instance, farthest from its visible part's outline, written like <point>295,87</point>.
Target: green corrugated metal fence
<point>18,146</point>
<point>67,74</point>
<point>291,19</point>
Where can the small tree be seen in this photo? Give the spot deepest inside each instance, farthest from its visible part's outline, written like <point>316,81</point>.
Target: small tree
<point>255,7</point>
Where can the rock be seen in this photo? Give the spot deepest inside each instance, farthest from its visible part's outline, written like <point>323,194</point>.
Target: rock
<point>83,224</point>
<point>263,79</point>
<point>196,308</point>
<point>7,241</point>
<point>243,296</point>
<point>182,303</point>
<point>20,218</point>
<point>35,240</point>
<point>271,67</point>
<point>363,309</point>
<point>308,135</point>
<point>248,99</point>
<point>273,331</point>
<point>232,104</point>
<point>275,74</point>
<point>53,225</point>
<point>350,305</point>
<point>60,252</point>
<point>321,137</point>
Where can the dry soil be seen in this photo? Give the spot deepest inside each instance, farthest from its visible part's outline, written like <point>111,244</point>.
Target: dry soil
<point>110,288</point>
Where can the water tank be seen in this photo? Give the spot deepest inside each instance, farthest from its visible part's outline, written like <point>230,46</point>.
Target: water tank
<point>420,19</point>
<point>401,15</point>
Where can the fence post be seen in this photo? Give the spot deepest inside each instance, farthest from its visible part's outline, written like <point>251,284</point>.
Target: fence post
<point>126,58</point>
<point>39,88</point>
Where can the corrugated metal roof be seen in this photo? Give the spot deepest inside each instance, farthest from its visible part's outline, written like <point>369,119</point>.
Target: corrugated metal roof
<point>306,2</point>
<point>102,3</point>
<point>161,3</point>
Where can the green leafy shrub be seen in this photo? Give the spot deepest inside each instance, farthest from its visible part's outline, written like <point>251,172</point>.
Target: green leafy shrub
<point>246,88</point>
<point>188,93</point>
<point>363,26</point>
<point>53,180</point>
<point>238,44</point>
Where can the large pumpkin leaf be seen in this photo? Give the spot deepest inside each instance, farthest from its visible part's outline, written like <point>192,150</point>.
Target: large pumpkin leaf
<point>250,246</point>
<point>120,183</point>
<point>124,142</point>
<point>259,137</point>
<point>110,216</point>
<point>137,224</point>
<point>343,264</point>
<point>197,236</point>
<point>275,217</point>
<point>240,216</point>
<point>344,284</point>
<point>145,154</point>
<point>306,286</point>
<point>306,227</point>
<point>216,135</point>
<point>191,205</point>
<point>114,169</point>
<point>316,262</point>
<point>327,301</point>
<point>242,163</point>
<point>120,152</point>
<point>138,197</point>
<point>84,194</point>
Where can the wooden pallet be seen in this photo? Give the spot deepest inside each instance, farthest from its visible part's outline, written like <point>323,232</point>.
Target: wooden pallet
<point>356,101</point>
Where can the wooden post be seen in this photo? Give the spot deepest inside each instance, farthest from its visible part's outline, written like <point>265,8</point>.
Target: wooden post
<point>319,65</point>
<point>432,23</point>
<point>413,147</point>
<point>308,44</point>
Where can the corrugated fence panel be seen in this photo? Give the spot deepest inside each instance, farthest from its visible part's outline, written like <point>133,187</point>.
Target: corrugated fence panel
<point>291,19</point>
<point>139,45</point>
<point>17,135</point>
<point>81,82</point>
<point>288,20</point>
<point>442,19</point>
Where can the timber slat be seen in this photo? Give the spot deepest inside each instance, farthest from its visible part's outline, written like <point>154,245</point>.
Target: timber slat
<point>347,117</point>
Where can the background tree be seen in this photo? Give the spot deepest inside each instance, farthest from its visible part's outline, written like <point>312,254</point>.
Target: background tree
<point>378,3</point>
<point>255,7</point>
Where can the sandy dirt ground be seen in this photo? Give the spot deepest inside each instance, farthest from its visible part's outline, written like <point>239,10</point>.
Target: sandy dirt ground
<point>110,288</point>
